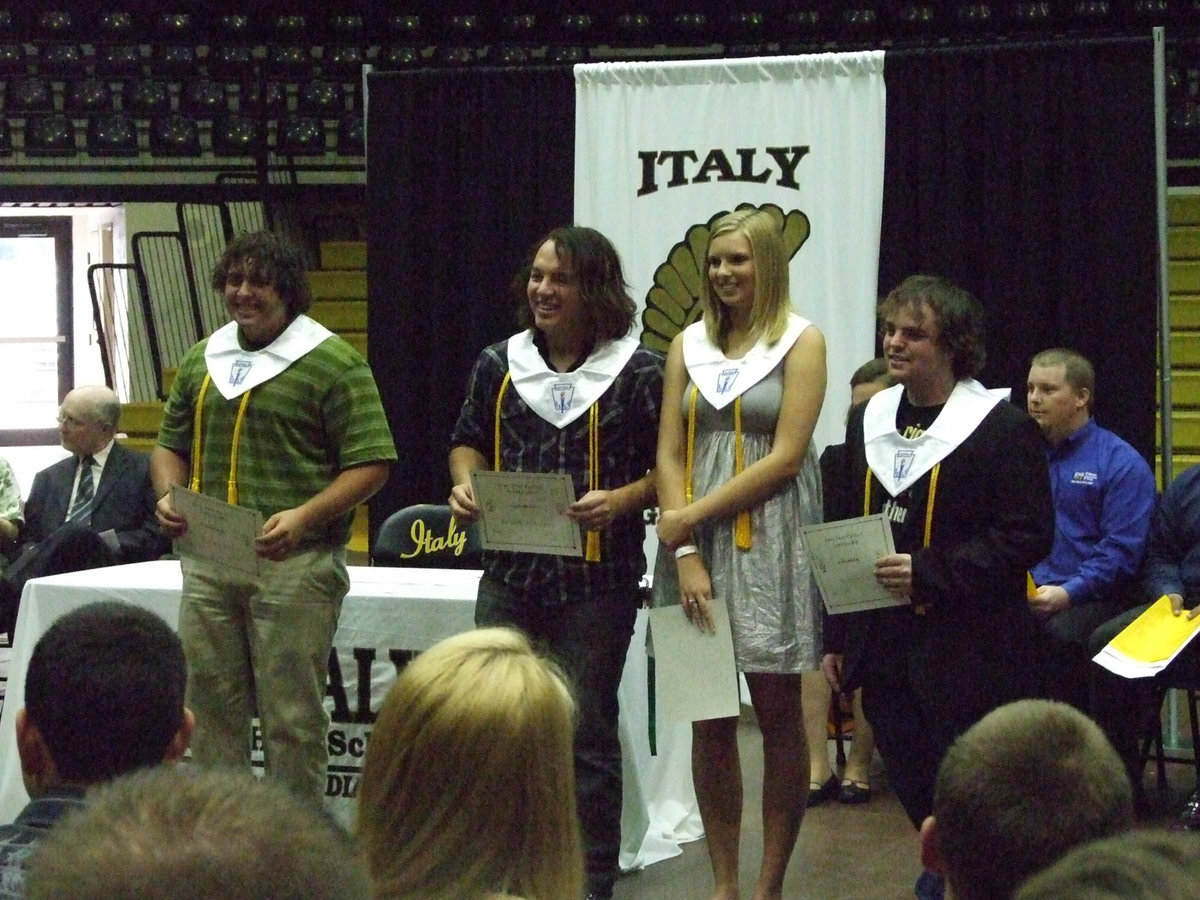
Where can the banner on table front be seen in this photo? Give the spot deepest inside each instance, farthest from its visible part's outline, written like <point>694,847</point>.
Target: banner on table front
<point>661,147</point>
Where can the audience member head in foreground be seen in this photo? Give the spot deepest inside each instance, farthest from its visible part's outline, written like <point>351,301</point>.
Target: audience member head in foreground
<point>1137,865</point>
<point>1016,791</point>
<point>103,696</point>
<point>169,834</point>
<point>468,783</point>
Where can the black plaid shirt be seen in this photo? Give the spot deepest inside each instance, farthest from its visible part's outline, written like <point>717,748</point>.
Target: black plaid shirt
<point>528,443</point>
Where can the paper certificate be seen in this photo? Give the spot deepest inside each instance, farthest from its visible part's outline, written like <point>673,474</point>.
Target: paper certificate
<point>217,531</point>
<point>525,512</point>
<point>1147,645</point>
<point>843,556</point>
<point>695,676</point>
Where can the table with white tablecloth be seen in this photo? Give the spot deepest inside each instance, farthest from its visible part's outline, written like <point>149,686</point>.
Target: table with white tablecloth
<point>388,615</point>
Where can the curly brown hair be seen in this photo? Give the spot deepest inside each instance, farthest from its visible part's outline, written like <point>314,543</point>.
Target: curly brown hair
<point>267,258</point>
<point>959,317</point>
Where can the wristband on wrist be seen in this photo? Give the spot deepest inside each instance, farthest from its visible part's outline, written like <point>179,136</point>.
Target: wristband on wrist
<point>686,550</point>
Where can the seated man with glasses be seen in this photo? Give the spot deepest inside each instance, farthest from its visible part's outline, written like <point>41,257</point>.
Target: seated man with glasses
<point>94,508</point>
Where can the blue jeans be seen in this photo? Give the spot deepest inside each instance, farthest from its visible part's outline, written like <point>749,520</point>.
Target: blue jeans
<point>590,640</point>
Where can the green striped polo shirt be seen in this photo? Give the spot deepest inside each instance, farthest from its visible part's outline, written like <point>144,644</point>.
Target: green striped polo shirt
<point>319,416</point>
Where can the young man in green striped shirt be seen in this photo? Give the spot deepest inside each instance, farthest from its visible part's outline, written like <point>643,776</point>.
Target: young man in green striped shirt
<point>275,413</point>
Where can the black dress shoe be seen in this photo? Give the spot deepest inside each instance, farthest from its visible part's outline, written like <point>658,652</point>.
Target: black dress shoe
<point>854,793</point>
<point>824,793</point>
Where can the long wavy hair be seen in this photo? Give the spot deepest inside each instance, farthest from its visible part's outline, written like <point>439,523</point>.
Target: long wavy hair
<point>468,783</point>
<point>597,269</point>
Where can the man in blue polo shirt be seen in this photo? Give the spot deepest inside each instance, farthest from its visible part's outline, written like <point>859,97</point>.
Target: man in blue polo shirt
<point>1104,496</point>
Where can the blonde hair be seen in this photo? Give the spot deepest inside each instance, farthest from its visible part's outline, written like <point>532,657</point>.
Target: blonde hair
<point>772,301</point>
<point>468,784</point>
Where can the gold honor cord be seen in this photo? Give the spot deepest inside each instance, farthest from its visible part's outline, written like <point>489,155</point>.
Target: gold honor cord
<point>197,425</point>
<point>592,551</point>
<point>741,530</point>
<point>933,480</point>
<point>691,444</point>
<point>197,418</point>
<point>496,440</point>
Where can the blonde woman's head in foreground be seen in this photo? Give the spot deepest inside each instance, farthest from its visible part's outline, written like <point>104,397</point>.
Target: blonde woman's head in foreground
<point>468,783</point>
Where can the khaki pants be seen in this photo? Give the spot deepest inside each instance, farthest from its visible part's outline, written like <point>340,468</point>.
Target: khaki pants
<point>263,647</point>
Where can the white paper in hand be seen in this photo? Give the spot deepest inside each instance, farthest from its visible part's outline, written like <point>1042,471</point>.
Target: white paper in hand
<point>695,676</point>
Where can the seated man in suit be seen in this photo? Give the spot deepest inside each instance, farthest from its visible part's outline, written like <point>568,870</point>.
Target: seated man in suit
<point>103,697</point>
<point>1104,497</point>
<point>94,508</point>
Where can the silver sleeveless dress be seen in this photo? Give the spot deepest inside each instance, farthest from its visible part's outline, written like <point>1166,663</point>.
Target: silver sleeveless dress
<point>774,605</point>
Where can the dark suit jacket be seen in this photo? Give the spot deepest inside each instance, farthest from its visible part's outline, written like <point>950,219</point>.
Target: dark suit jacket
<point>124,503</point>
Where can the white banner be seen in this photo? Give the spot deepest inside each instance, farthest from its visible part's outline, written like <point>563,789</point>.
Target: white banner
<point>661,147</point>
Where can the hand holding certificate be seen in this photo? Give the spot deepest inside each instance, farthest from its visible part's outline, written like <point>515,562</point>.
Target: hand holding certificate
<point>525,512</point>
<point>843,556</point>
<point>218,531</point>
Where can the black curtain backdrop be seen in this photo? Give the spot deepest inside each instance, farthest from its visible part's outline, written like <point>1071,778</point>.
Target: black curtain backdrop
<point>1023,172</point>
<point>465,170</point>
<point>1026,174</point>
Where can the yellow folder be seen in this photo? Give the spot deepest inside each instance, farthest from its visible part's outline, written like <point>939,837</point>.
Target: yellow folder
<point>1156,634</point>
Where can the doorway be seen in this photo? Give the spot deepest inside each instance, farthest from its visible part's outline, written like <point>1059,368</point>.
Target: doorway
<point>36,334</point>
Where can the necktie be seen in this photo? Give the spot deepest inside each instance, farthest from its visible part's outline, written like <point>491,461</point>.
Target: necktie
<point>81,509</point>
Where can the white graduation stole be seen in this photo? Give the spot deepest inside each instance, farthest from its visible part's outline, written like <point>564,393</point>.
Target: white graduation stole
<point>562,397</point>
<point>235,371</point>
<point>899,462</point>
<point>721,379</point>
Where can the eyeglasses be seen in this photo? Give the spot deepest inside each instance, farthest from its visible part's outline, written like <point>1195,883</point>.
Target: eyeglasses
<point>70,421</point>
